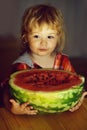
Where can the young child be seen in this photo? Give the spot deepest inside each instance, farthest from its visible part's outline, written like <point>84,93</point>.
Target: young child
<point>43,38</point>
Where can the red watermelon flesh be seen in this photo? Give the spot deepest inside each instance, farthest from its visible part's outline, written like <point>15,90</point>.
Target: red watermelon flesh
<point>46,80</point>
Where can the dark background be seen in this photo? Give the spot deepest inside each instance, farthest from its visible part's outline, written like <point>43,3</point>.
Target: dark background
<point>75,15</point>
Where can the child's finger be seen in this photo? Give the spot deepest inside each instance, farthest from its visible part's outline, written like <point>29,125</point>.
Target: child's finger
<point>31,112</point>
<point>24,105</point>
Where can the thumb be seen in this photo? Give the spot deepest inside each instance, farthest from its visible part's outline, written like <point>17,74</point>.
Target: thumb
<point>83,96</point>
<point>13,102</point>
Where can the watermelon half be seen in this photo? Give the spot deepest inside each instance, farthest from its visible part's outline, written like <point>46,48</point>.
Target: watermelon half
<point>47,90</point>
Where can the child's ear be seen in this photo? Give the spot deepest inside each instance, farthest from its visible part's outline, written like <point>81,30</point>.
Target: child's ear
<point>24,38</point>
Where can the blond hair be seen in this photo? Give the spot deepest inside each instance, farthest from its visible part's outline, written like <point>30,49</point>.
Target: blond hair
<point>40,15</point>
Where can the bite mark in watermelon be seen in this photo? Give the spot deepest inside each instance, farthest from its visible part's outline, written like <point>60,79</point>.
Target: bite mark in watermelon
<point>47,90</point>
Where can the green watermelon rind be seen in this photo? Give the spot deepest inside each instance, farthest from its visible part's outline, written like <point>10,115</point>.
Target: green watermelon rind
<point>48,102</point>
<point>64,100</point>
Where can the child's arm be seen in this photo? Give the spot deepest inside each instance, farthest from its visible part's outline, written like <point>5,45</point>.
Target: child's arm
<point>63,62</point>
<point>77,106</point>
<point>67,65</point>
<point>9,102</point>
<point>15,107</point>
<point>21,109</point>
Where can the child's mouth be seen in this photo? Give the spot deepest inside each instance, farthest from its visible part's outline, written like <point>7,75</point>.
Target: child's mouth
<point>43,49</point>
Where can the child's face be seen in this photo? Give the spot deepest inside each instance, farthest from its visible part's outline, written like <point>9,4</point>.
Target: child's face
<point>43,41</point>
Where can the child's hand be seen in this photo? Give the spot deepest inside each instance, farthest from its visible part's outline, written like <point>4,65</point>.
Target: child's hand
<point>18,109</point>
<point>77,106</point>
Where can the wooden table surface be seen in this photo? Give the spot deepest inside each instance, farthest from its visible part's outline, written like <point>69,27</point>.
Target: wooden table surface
<point>60,121</point>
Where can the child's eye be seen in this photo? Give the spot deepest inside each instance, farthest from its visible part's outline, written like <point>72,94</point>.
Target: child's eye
<point>50,37</point>
<point>36,36</point>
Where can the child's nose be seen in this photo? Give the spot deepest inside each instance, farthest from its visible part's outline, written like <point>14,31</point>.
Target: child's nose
<point>43,42</point>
